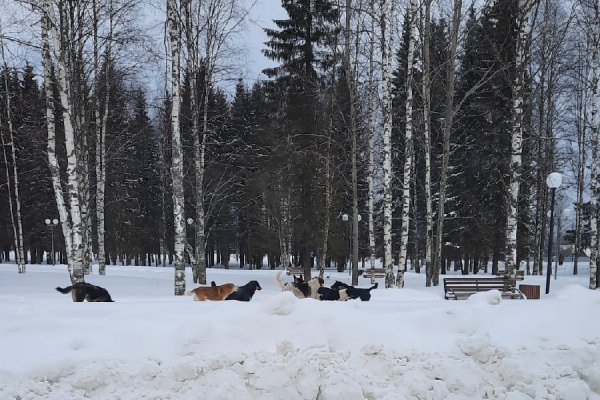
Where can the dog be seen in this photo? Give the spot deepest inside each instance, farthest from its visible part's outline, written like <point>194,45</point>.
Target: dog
<point>214,293</point>
<point>333,294</point>
<point>244,293</point>
<point>81,291</point>
<point>364,294</point>
<point>301,290</point>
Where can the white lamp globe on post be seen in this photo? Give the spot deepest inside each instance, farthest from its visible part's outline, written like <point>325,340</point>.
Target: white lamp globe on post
<point>553,181</point>
<point>51,224</point>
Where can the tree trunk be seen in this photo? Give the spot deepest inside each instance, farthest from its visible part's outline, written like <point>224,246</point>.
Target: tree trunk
<point>408,147</point>
<point>15,213</point>
<point>177,161</point>
<point>386,54</point>
<point>594,143</point>
<point>371,133</point>
<point>427,142</point>
<point>446,133</point>
<point>517,136</point>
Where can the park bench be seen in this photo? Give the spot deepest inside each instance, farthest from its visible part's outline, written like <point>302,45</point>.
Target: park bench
<point>373,273</point>
<point>295,271</point>
<point>461,288</point>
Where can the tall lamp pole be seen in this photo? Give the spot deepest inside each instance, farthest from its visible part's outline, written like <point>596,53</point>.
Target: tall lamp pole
<point>553,181</point>
<point>51,224</point>
<point>345,219</point>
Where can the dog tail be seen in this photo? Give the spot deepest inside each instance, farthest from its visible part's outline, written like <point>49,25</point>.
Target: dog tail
<point>65,290</point>
<point>189,293</point>
<point>374,286</point>
<point>278,280</point>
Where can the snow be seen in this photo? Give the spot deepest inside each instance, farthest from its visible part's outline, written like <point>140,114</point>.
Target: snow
<point>403,344</point>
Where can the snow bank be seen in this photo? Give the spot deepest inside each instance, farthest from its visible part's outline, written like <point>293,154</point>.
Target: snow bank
<point>403,344</point>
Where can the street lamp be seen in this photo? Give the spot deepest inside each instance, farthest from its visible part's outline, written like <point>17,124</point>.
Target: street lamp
<point>190,222</point>
<point>51,224</point>
<point>345,218</point>
<point>553,181</point>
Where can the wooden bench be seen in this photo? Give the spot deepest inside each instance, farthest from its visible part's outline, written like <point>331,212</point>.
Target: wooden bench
<point>294,271</point>
<point>373,273</point>
<point>461,288</point>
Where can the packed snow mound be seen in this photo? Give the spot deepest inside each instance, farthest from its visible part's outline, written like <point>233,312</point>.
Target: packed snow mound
<point>317,373</point>
<point>493,297</point>
<point>283,303</point>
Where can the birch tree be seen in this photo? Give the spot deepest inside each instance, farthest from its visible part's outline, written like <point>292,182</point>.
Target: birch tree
<point>13,187</point>
<point>70,219</point>
<point>517,133</point>
<point>426,23</point>
<point>386,82</point>
<point>371,92</point>
<point>408,161</point>
<point>174,28</point>
<point>594,37</point>
<point>449,111</point>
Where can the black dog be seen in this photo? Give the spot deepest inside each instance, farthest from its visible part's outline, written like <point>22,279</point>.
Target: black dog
<point>86,291</point>
<point>333,294</point>
<point>353,292</point>
<point>244,293</point>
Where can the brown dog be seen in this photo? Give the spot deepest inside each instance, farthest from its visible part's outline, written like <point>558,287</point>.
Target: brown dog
<point>214,293</point>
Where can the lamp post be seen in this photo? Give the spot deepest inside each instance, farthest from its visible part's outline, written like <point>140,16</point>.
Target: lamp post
<point>553,181</point>
<point>51,224</point>
<point>345,218</point>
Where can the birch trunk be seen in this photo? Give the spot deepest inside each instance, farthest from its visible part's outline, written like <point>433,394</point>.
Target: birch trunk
<point>386,50</point>
<point>60,38</point>
<point>349,75</point>
<point>581,127</point>
<point>408,147</point>
<point>371,118</point>
<point>446,133</point>
<point>177,161</point>
<point>101,122</point>
<point>427,143</point>
<point>51,128</point>
<point>594,143</point>
<point>517,136</point>
<point>192,70</point>
<point>15,213</point>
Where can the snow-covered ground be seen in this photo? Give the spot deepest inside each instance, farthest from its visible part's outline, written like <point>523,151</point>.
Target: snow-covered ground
<point>403,344</point>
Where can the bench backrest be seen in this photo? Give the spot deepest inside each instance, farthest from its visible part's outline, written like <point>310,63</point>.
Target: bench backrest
<point>478,284</point>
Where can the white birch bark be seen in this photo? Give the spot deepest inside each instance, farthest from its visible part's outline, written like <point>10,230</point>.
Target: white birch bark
<point>51,128</point>
<point>446,132</point>
<point>386,53</point>
<point>371,118</point>
<point>60,37</point>
<point>427,141</point>
<point>582,91</point>
<point>191,32</point>
<point>101,122</point>
<point>177,152</point>
<point>349,75</point>
<point>517,136</point>
<point>13,195</point>
<point>408,147</point>
<point>594,143</point>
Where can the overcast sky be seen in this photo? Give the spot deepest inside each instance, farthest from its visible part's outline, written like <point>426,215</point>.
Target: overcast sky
<point>262,15</point>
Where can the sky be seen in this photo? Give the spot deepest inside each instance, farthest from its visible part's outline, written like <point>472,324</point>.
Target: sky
<point>402,344</point>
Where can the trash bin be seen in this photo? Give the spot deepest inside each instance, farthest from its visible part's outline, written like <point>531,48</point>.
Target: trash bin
<point>532,292</point>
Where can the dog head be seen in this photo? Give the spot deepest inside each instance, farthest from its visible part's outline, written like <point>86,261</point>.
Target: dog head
<point>298,279</point>
<point>255,284</point>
